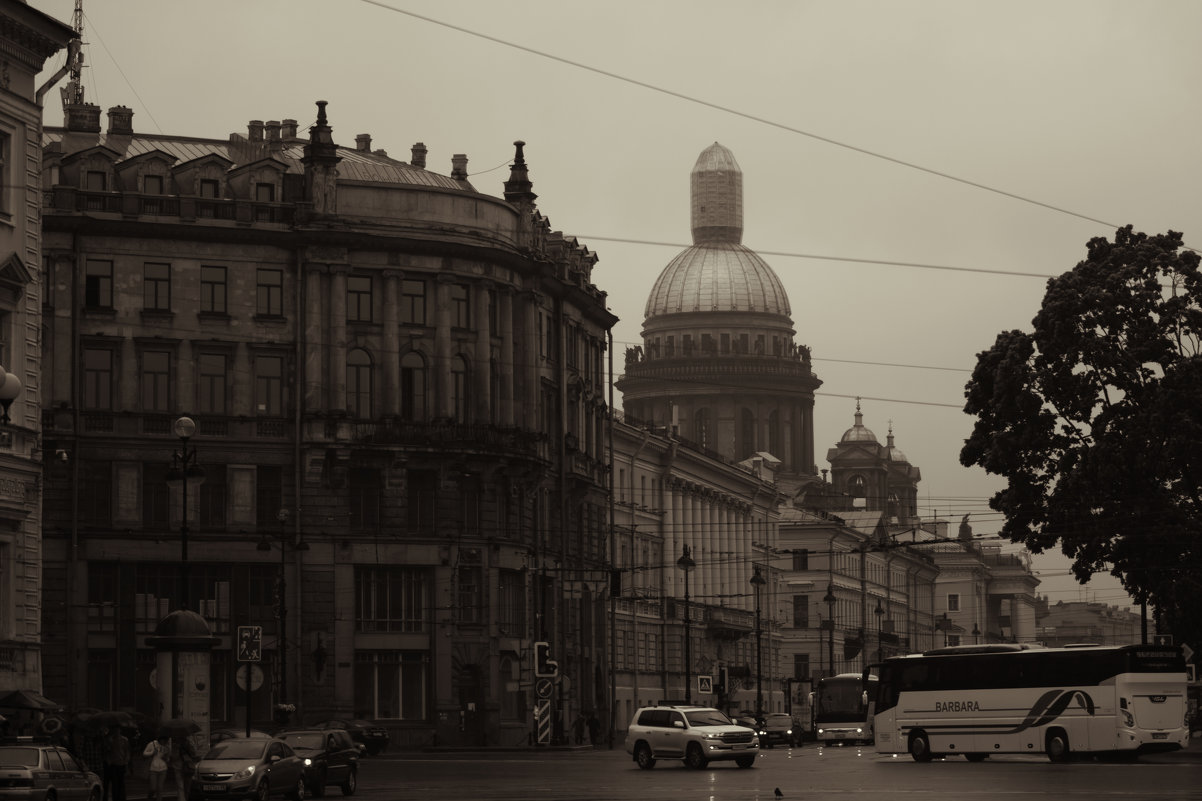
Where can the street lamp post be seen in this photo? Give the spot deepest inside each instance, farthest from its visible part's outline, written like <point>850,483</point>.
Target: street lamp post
<point>757,581</point>
<point>686,564</point>
<point>184,471</point>
<point>829,600</point>
<point>281,598</point>
<point>879,647</point>
<point>976,634</point>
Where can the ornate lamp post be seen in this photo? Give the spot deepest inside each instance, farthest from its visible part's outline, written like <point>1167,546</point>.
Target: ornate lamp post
<point>184,471</point>
<point>282,598</point>
<point>829,600</point>
<point>686,563</point>
<point>879,620</point>
<point>757,581</point>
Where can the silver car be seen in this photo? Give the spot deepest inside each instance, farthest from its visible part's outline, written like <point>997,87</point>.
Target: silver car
<point>254,768</point>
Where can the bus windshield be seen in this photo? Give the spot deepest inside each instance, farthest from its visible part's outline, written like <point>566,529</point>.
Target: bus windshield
<point>839,699</point>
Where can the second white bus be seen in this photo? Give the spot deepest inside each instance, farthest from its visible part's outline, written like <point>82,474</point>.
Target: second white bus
<point>1019,699</point>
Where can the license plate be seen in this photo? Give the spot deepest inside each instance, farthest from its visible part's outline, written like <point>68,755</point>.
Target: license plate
<point>210,787</point>
<point>1160,735</point>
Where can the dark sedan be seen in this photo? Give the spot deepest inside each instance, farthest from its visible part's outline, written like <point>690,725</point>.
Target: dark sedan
<point>331,758</point>
<point>373,736</point>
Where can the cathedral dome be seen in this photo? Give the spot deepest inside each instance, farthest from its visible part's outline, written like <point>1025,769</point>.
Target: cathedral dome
<point>717,277</point>
<point>858,432</point>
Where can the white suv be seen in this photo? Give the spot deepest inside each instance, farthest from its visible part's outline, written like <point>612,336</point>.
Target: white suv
<point>696,734</point>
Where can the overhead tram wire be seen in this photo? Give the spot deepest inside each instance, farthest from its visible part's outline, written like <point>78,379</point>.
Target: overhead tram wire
<point>745,115</point>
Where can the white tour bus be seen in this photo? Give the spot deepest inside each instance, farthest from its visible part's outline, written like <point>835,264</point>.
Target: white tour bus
<point>979,700</point>
<point>840,709</point>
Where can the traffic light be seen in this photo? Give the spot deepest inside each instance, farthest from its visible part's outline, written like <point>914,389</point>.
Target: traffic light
<point>544,665</point>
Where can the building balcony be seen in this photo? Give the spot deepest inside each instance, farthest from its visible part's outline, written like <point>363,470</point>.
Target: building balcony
<point>71,200</point>
<point>432,434</point>
<point>729,624</point>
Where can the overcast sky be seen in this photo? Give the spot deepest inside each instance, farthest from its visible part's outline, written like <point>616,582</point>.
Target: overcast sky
<point>987,138</point>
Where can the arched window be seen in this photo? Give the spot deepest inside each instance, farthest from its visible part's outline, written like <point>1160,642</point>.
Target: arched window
<point>747,431</point>
<point>358,384</point>
<point>857,488</point>
<point>413,386</point>
<point>701,427</point>
<point>459,389</point>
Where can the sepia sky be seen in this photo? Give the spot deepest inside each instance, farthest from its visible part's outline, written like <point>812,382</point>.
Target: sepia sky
<point>912,170</point>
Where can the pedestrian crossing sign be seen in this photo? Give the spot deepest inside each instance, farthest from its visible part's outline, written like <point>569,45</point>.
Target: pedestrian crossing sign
<point>705,685</point>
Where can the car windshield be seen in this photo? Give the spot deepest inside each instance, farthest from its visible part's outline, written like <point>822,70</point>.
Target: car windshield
<point>367,724</point>
<point>237,749</point>
<point>706,717</point>
<point>778,717</point>
<point>27,757</point>
<point>309,739</point>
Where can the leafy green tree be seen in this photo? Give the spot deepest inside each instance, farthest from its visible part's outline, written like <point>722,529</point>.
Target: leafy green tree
<point>1095,421</point>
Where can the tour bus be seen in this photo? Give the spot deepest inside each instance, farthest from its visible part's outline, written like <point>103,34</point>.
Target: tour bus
<point>979,700</point>
<point>840,709</point>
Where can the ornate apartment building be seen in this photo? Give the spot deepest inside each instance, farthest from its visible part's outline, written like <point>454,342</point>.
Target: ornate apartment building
<point>397,383</point>
<point>27,38</point>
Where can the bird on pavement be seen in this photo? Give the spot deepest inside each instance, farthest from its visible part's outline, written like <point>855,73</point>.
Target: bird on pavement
<point>779,794</point>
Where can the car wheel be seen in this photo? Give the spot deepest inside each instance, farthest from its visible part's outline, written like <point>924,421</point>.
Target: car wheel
<point>298,794</point>
<point>975,756</point>
<point>263,791</point>
<point>694,758</point>
<point>1057,746</point>
<point>920,746</point>
<point>642,755</point>
<point>745,761</point>
<point>352,783</point>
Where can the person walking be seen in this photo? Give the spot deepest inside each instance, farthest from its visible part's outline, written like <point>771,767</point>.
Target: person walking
<point>158,751</point>
<point>182,760</point>
<point>116,761</point>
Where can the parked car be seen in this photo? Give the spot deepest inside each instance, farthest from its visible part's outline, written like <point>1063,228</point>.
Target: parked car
<point>331,758</point>
<point>698,735</point>
<point>32,769</point>
<point>373,736</point>
<point>249,768</point>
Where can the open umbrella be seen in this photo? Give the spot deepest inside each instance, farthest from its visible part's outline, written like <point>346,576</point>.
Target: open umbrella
<point>27,699</point>
<point>108,719</point>
<point>177,727</point>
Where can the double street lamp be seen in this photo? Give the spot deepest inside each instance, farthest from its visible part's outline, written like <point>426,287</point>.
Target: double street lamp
<point>879,630</point>
<point>281,597</point>
<point>757,581</point>
<point>184,471</point>
<point>686,563</point>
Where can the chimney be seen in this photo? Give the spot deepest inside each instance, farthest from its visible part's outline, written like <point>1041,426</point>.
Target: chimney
<point>288,129</point>
<point>254,131</point>
<point>272,129</point>
<point>121,121</point>
<point>83,118</point>
<point>363,143</point>
<point>459,167</point>
<point>419,155</point>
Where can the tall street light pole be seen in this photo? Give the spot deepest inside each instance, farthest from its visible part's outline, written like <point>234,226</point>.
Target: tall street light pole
<point>282,598</point>
<point>757,581</point>
<point>184,471</point>
<point>686,563</point>
<point>879,622</point>
<point>829,600</point>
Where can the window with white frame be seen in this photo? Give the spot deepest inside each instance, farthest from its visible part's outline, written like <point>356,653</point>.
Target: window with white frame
<point>953,602</point>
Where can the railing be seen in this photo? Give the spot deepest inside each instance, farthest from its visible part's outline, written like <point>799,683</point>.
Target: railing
<point>70,199</point>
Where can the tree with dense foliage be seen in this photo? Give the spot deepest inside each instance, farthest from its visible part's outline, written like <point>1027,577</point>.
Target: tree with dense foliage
<point>1095,421</point>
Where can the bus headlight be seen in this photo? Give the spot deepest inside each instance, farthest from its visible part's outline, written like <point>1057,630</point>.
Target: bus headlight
<point>1128,718</point>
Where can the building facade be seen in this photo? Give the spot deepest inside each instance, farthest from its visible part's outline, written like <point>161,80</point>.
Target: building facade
<point>397,383</point>
<point>27,39</point>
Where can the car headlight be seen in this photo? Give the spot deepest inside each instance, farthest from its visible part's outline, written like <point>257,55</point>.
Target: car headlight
<point>308,762</point>
<point>1128,718</point>
<point>712,736</point>
<point>245,773</point>
<point>859,731</point>
<point>788,731</point>
<point>820,731</point>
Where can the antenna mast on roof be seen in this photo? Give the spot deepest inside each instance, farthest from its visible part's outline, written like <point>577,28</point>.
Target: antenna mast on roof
<point>73,91</point>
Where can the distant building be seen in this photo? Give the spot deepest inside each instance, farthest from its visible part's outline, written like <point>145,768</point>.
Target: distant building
<point>1070,622</point>
<point>27,38</point>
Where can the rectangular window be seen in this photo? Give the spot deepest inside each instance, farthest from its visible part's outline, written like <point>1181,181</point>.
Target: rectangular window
<point>269,386</point>
<point>392,685</point>
<point>413,302</point>
<point>953,602</point>
<point>96,181</point>
<point>391,598</point>
<point>157,287</point>
<point>460,306</point>
<point>365,488</point>
<point>265,193</point>
<point>801,559</point>
<point>422,487</point>
<point>97,378</point>
<point>213,498</point>
<point>212,289</point>
<point>156,497</point>
<point>98,284</point>
<point>801,611</point>
<point>358,299</point>
<point>96,493</point>
<point>511,598</point>
<point>211,386</point>
<point>152,185</point>
<point>270,293</point>
<point>469,594</point>
<point>801,666</point>
<point>156,381</point>
<point>210,188</point>
<point>269,496</point>
<point>953,639</point>
<point>103,581</point>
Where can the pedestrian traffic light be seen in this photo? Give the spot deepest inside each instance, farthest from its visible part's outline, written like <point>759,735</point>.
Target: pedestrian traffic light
<point>544,665</point>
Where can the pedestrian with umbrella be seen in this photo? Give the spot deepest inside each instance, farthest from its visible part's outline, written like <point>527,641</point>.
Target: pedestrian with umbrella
<point>116,760</point>
<point>158,751</point>
<point>182,757</point>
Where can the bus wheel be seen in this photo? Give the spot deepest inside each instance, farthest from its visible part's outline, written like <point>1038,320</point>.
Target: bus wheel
<point>975,757</point>
<point>920,746</point>
<point>1057,746</point>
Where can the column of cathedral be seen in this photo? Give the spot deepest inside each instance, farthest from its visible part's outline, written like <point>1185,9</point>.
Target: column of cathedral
<point>391,357</point>
<point>749,560</point>
<point>505,312</point>
<point>687,538</point>
<point>442,345</point>
<point>481,369</point>
<point>670,503</point>
<point>336,377</point>
<point>314,342</point>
